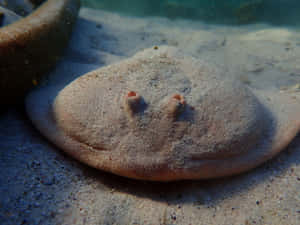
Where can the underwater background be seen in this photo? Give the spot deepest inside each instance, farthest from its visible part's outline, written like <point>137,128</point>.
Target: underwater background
<point>256,42</point>
<point>279,12</point>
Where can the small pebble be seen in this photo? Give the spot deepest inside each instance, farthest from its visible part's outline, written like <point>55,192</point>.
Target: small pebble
<point>173,217</point>
<point>36,204</point>
<point>24,221</point>
<point>49,181</point>
<point>34,164</point>
<point>244,79</point>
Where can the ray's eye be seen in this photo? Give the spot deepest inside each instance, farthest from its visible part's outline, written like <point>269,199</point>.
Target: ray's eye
<point>175,105</point>
<point>132,103</point>
<point>131,94</point>
<point>180,98</point>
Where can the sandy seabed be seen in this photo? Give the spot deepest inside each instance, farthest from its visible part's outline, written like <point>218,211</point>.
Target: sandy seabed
<point>41,185</point>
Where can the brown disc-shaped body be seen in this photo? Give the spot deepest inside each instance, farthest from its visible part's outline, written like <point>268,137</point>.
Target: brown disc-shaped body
<point>30,46</point>
<point>162,115</point>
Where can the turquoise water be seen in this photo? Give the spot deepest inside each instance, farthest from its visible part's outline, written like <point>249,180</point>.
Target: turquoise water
<point>280,12</point>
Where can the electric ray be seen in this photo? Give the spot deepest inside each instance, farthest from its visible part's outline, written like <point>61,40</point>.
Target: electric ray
<point>163,115</point>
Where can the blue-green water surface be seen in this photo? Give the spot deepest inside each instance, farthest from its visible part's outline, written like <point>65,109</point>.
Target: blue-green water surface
<point>278,12</point>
